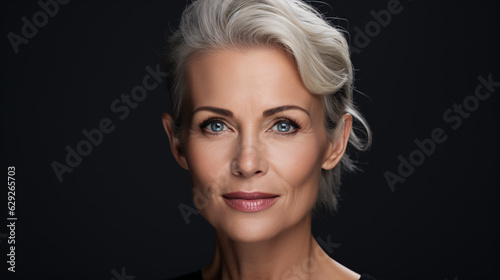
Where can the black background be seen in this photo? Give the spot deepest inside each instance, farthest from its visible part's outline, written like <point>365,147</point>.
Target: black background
<point>119,207</point>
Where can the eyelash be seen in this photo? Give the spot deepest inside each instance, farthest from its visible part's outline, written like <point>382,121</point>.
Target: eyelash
<point>204,123</point>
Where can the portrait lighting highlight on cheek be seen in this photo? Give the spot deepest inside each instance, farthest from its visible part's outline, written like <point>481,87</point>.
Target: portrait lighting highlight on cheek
<point>255,144</point>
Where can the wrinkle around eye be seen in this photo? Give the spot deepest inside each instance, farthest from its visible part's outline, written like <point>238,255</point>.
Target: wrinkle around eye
<point>297,124</point>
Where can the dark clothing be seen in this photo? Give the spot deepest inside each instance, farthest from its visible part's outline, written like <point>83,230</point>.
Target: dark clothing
<point>197,276</point>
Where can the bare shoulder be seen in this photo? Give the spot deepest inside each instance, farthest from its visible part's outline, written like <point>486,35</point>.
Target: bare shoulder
<point>340,271</point>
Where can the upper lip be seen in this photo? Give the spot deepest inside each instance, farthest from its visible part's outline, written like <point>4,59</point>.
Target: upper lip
<point>249,195</point>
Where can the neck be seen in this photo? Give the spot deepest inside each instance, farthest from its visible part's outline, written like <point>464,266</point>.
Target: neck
<point>292,253</point>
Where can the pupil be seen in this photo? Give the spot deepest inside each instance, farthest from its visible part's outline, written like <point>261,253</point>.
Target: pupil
<point>216,126</point>
<point>283,127</point>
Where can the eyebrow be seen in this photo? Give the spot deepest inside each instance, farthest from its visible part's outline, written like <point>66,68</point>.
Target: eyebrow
<point>216,110</point>
<point>276,110</point>
<point>266,113</point>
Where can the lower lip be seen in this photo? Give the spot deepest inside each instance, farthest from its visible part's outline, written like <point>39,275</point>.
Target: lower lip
<point>250,205</point>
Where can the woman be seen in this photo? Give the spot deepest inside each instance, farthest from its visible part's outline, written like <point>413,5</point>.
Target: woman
<point>262,114</point>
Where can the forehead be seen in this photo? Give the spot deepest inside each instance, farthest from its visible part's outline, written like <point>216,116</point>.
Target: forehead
<point>237,79</point>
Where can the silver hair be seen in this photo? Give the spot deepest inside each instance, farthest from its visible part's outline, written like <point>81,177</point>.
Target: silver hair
<point>318,49</point>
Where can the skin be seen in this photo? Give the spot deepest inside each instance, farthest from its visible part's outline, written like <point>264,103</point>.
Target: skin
<point>251,154</point>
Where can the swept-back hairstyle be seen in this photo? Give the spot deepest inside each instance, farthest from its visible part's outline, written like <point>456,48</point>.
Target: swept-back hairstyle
<point>318,49</point>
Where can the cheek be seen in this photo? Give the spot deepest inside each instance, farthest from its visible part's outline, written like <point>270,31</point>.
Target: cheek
<point>207,158</point>
<point>298,165</point>
<point>208,163</point>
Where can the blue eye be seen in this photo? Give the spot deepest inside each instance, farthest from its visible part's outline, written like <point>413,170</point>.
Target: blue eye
<point>217,126</point>
<point>213,126</point>
<point>285,127</point>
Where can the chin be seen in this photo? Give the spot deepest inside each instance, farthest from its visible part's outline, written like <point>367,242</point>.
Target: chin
<point>247,227</point>
<point>256,231</point>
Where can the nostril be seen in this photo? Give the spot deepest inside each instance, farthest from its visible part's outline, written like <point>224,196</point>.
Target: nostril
<point>248,162</point>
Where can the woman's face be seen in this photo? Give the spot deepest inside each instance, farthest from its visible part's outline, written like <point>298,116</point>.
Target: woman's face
<point>253,141</point>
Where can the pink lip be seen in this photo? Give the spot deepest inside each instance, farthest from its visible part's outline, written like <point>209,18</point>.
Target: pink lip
<point>250,202</point>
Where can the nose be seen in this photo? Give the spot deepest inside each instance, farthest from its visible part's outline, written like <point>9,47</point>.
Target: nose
<point>249,158</point>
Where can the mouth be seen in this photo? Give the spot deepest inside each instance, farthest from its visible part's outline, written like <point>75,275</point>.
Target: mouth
<point>250,201</point>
